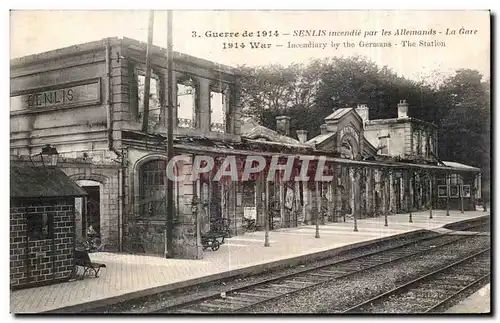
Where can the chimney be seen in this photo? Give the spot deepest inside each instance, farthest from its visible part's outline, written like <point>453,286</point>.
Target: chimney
<point>283,125</point>
<point>323,129</point>
<point>363,111</point>
<point>402,109</point>
<point>302,135</point>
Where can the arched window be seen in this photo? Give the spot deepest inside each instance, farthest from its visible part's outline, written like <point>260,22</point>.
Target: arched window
<point>346,149</point>
<point>153,188</point>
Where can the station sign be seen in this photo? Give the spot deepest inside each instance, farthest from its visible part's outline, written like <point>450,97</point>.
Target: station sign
<point>58,96</point>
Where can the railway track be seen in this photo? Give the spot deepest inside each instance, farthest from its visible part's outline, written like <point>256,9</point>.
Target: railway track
<point>242,298</point>
<point>432,292</point>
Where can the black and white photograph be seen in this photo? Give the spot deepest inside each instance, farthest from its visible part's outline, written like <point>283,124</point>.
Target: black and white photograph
<point>248,162</point>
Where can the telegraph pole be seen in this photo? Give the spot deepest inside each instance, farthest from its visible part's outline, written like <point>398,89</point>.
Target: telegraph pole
<point>147,81</point>
<point>170,134</point>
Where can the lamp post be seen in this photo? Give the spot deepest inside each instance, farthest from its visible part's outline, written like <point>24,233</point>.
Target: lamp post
<point>408,195</point>
<point>430,194</point>
<point>462,197</point>
<point>318,210</point>
<point>447,194</point>
<point>382,192</point>
<point>266,213</point>
<point>354,204</point>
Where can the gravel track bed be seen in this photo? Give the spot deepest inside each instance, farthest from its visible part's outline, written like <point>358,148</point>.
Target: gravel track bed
<point>341,294</point>
<point>158,301</point>
<point>405,302</point>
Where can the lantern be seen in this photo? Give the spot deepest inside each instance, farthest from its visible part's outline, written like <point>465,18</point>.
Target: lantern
<point>49,156</point>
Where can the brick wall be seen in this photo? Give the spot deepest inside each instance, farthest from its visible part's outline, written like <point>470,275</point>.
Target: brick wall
<point>41,261</point>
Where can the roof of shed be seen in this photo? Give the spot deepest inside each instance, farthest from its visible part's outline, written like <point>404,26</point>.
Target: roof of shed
<point>36,182</point>
<point>252,130</point>
<point>339,113</point>
<point>320,138</point>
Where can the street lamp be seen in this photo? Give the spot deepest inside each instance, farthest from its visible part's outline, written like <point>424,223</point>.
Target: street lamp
<point>430,177</point>
<point>49,156</point>
<point>318,213</point>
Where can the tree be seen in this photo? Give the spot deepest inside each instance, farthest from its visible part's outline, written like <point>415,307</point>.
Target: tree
<point>267,87</point>
<point>272,90</point>
<point>459,104</point>
<point>465,120</point>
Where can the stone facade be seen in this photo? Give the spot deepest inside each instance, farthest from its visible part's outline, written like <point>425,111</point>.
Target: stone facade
<point>41,261</point>
<point>87,101</point>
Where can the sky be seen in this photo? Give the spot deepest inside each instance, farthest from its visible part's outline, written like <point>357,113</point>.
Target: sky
<point>38,31</point>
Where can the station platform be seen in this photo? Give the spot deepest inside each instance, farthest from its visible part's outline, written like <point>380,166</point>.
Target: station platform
<point>130,276</point>
<point>477,303</point>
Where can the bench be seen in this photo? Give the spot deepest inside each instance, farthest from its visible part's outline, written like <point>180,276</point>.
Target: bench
<point>82,259</point>
<point>219,229</point>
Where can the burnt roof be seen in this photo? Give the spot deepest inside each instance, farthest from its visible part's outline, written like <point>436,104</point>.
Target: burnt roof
<point>36,182</point>
<point>93,46</point>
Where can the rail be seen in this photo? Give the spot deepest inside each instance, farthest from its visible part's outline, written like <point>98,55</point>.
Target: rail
<point>244,297</point>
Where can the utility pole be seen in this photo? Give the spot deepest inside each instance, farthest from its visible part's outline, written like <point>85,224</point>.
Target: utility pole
<point>147,81</point>
<point>170,134</point>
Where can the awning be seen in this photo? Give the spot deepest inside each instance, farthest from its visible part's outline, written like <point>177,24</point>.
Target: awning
<point>341,161</point>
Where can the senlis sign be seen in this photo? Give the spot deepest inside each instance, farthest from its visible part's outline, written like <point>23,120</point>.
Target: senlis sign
<point>50,98</point>
<point>68,95</point>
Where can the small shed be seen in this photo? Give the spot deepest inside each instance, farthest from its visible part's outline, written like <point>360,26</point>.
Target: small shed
<point>42,225</point>
<point>462,189</point>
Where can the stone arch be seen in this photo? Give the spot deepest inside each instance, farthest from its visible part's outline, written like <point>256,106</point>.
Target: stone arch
<point>90,177</point>
<point>148,157</point>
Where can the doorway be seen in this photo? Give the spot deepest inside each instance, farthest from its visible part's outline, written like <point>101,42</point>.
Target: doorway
<point>92,214</point>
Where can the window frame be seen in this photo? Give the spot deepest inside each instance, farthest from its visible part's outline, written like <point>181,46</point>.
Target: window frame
<point>137,109</point>
<point>381,140</point>
<point>31,229</point>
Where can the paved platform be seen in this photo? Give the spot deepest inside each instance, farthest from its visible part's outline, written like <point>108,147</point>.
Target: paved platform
<point>477,303</point>
<point>129,276</point>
